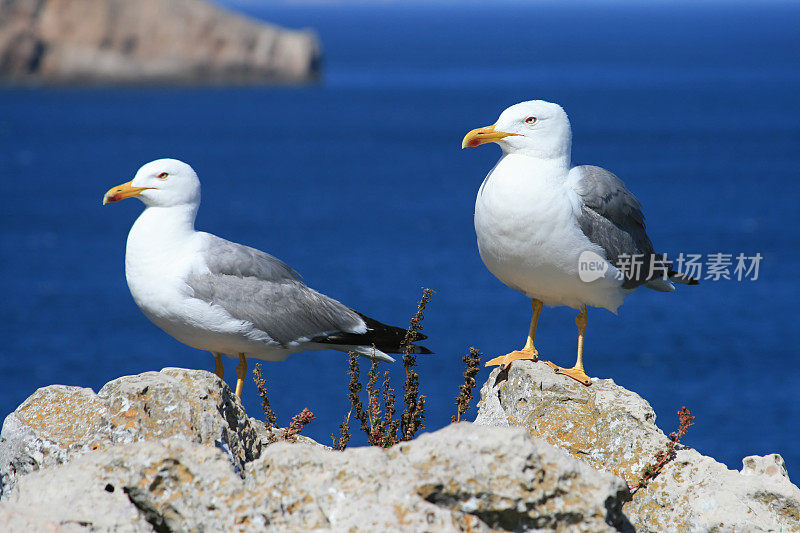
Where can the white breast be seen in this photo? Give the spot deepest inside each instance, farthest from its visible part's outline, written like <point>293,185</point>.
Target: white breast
<point>158,259</point>
<point>529,238</point>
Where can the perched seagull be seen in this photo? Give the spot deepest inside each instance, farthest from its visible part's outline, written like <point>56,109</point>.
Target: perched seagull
<point>225,297</point>
<point>560,234</point>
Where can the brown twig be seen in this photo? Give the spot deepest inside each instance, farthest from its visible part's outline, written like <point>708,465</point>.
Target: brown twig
<point>390,424</point>
<point>413,417</point>
<point>299,421</point>
<point>652,470</point>
<point>373,399</point>
<point>261,384</point>
<point>472,361</point>
<point>354,389</point>
<point>344,434</point>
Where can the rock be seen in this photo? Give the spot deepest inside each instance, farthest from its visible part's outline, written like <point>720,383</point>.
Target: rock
<point>59,422</point>
<point>461,478</point>
<point>118,488</point>
<point>120,41</point>
<point>613,429</point>
<point>770,465</point>
<point>174,451</point>
<point>15,518</point>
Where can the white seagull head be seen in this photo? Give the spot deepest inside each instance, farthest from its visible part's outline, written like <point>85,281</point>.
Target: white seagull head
<point>160,183</point>
<point>536,128</point>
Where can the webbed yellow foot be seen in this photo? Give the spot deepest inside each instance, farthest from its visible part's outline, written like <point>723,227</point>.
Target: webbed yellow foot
<point>516,355</point>
<point>575,373</point>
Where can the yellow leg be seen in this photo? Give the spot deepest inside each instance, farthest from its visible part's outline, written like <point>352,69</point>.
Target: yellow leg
<point>241,373</point>
<point>219,370</point>
<point>529,351</point>
<point>576,372</point>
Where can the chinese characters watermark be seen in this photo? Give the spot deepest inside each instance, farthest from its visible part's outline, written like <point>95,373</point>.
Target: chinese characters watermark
<point>709,267</point>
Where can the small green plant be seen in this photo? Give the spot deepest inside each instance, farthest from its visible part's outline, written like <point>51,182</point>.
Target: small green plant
<point>472,361</point>
<point>652,470</point>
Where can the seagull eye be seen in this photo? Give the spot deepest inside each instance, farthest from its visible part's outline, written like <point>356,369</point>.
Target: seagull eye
<point>530,120</point>
<point>163,176</point>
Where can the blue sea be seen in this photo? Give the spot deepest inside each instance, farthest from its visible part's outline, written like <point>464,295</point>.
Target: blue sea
<point>360,184</point>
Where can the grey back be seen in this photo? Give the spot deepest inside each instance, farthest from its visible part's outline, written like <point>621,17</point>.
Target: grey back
<point>612,218</point>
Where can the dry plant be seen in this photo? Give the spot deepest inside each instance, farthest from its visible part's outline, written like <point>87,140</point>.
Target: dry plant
<point>261,383</point>
<point>666,455</point>
<point>299,421</point>
<point>344,434</point>
<point>378,419</point>
<point>413,417</point>
<point>472,361</point>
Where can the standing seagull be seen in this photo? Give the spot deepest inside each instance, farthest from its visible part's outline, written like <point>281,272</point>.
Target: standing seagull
<point>224,297</point>
<point>539,219</point>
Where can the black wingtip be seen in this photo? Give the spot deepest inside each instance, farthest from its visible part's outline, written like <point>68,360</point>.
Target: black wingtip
<point>421,350</point>
<point>682,279</point>
<point>415,349</point>
<point>388,339</point>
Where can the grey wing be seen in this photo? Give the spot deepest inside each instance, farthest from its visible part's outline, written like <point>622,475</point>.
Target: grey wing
<point>230,258</point>
<point>256,287</point>
<point>612,218</point>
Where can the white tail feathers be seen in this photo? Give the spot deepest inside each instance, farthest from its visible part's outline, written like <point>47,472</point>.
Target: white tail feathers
<point>369,352</point>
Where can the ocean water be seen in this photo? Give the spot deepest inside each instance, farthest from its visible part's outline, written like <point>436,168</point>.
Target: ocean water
<point>359,183</point>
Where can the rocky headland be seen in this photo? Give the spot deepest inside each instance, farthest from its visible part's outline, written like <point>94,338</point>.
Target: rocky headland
<point>147,41</point>
<point>175,451</point>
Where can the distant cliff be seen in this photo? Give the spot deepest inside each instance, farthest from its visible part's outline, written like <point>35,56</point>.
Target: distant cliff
<point>142,41</point>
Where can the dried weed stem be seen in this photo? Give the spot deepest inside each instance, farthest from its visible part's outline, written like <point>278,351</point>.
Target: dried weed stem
<point>663,457</point>
<point>299,421</point>
<point>472,361</point>
<point>269,415</point>
<point>413,417</point>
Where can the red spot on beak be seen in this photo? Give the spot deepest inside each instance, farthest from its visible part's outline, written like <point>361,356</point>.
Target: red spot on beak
<point>473,143</point>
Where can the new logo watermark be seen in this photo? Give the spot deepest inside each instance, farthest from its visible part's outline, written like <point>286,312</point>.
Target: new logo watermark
<point>591,266</point>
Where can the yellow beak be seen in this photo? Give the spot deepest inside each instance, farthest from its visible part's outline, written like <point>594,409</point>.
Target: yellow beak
<point>120,192</point>
<point>481,136</point>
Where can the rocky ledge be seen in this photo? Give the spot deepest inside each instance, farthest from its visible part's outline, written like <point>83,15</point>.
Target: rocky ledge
<point>175,451</point>
<point>120,41</point>
<point>613,429</point>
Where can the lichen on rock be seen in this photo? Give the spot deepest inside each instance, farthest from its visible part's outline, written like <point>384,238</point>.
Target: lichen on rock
<point>57,422</point>
<point>613,429</point>
<point>174,451</point>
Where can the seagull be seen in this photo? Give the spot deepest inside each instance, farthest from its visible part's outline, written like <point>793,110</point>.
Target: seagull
<point>227,298</point>
<point>563,235</point>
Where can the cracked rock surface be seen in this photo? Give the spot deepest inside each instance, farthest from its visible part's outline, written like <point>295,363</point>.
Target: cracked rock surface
<point>613,429</point>
<point>173,451</point>
<point>58,422</point>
